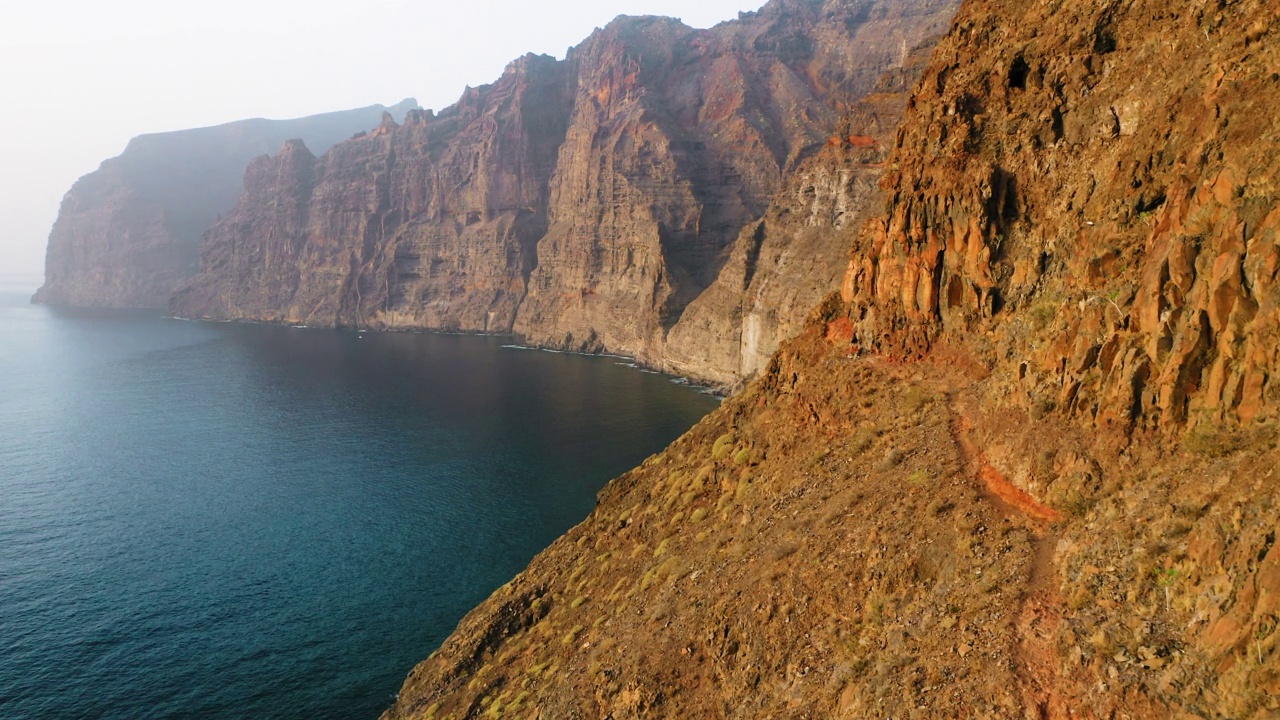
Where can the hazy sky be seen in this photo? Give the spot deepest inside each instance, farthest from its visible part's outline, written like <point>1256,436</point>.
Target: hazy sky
<point>78,78</point>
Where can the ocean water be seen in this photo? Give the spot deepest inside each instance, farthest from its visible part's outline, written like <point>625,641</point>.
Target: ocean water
<point>229,521</point>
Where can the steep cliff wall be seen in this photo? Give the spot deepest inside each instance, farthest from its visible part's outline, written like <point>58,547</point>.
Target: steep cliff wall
<point>1023,466</point>
<point>1106,197</point>
<point>429,224</point>
<point>785,263</point>
<point>583,203</point>
<point>128,234</point>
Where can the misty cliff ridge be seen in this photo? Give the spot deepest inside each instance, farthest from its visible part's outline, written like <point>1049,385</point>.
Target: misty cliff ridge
<point>594,203</point>
<point>128,234</point>
<point>1022,465</point>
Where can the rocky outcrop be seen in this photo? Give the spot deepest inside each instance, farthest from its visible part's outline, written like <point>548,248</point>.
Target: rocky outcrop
<point>1022,465</point>
<point>1083,205</point>
<point>127,235</point>
<point>1075,186</point>
<point>583,204</point>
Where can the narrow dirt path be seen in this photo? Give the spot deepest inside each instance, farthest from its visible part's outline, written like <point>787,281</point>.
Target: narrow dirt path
<point>1039,616</point>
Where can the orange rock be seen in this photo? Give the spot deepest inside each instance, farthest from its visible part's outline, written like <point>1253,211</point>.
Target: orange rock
<point>840,331</point>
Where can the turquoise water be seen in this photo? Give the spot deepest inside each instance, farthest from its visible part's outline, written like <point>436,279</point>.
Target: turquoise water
<point>222,521</point>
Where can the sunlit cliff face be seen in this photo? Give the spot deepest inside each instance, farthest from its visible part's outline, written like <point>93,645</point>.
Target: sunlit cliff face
<point>1022,466</point>
<point>596,203</point>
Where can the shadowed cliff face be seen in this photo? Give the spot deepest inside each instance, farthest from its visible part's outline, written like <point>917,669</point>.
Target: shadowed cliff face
<point>583,204</point>
<point>1022,466</point>
<point>128,234</point>
<point>782,265</point>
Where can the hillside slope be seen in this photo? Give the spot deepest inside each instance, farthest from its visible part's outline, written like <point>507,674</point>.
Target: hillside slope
<point>128,233</point>
<point>1024,464</point>
<point>584,203</point>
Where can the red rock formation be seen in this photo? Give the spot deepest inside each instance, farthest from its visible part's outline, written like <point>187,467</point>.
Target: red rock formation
<point>583,204</point>
<point>127,235</point>
<point>1082,204</point>
<point>1070,181</point>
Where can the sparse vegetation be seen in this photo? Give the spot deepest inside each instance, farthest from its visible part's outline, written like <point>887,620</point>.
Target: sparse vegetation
<point>722,447</point>
<point>1043,311</point>
<point>915,398</point>
<point>662,548</point>
<point>572,636</point>
<point>892,458</point>
<point>1209,441</point>
<point>1167,579</point>
<point>863,440</point>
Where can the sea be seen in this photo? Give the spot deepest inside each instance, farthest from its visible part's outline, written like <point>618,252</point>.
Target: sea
<point>218,521</point>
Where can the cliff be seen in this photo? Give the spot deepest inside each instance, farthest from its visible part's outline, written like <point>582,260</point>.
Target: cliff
<point>584,204</point>
<point>1022,465</point>
<point>783,264</point>
<point>128,234</point>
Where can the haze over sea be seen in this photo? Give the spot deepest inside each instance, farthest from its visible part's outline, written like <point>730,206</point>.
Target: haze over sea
<point>234,521</point>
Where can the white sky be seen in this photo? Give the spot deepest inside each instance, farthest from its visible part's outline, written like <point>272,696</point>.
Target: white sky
<point>79,78</point>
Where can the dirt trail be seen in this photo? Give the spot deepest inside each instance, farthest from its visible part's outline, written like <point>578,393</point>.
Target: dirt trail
<point>1040,615</point>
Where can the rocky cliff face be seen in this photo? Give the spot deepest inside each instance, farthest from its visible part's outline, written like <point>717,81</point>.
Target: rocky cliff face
<point>1102,196</point>
<point>1021,466</point>
<point>783,264</point>
<point>128,234</point>
<point>585,203</point>
<point>431,223</point>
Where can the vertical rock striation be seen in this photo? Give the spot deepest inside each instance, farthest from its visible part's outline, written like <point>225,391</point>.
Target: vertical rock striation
<point>1062,178</point>
<point>586,203</point>
<point>432,223</point>
<point>784,264</point>
<point>127,235</point>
